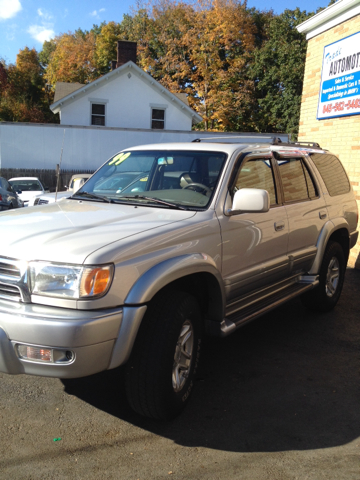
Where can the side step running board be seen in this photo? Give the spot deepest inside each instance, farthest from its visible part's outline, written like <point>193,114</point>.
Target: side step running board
<point>245,315</point>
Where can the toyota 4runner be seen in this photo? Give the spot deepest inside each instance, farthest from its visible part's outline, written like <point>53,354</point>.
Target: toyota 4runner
<point>164,244</point>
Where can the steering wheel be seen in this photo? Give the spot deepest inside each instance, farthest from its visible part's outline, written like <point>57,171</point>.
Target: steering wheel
<point>200,186</point>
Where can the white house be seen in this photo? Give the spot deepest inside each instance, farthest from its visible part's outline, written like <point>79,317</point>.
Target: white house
<point>126,97</point>
<point>125,107</point>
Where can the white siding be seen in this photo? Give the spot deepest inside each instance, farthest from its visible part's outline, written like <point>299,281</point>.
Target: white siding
<point>128,100</point>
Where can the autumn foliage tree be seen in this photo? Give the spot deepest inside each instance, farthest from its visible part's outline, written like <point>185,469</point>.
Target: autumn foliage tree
<point>202,49</point>
<point>242,69</point>
<point>73,58</point>
<point>105,46</point>
<point>23,94</point>
<point>220,44</point>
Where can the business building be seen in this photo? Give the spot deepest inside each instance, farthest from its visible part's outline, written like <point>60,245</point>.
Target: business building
<point>330,109</point>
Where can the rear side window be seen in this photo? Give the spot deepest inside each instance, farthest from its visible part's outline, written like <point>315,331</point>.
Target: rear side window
<point>296,180</point>
<point>332,172</point>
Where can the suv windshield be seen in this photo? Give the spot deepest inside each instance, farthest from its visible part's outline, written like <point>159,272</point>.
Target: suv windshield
<point>167,178</point>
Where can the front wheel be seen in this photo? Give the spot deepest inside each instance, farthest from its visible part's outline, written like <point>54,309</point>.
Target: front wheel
<point>332,273</point>
<point>160,372</point>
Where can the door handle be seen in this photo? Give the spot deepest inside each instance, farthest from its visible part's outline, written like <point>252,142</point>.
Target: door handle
<point>279,226</point>
<point>322,214</point>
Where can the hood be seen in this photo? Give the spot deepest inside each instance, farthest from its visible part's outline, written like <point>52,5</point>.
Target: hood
<point>71,230</point>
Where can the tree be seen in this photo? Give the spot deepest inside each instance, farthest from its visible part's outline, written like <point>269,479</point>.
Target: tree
<point>105,50</point>
<point>46,52</point>
<point>3,77</point>
<point>26,78</point>
<point>277,71</point>
<point>242,69</point>
<point>73,59</point>
<point>203,50</point>
<point>23,96</point>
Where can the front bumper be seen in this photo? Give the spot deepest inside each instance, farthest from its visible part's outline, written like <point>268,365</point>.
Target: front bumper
<point>89,335</point>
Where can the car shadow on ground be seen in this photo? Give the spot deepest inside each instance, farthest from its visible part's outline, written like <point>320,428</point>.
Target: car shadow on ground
<point>287,381</point>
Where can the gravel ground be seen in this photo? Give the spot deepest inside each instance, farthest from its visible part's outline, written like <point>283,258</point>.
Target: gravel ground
<point>278,399</point>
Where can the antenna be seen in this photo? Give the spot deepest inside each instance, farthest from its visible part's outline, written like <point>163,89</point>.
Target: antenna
<point>58,168</point>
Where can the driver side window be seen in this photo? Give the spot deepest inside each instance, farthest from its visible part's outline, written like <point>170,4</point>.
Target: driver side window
<point>257,173</point>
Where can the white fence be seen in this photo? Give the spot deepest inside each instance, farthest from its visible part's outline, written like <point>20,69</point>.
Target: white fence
<point>39,146</point>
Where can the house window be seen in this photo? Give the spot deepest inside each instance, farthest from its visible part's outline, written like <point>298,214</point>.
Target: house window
<point>97,114</point>
<point>157,119</point>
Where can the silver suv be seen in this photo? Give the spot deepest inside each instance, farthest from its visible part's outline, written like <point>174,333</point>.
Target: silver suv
<point>163,245</point>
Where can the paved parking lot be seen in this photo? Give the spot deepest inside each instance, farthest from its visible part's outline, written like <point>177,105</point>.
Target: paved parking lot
<point>279,399</point>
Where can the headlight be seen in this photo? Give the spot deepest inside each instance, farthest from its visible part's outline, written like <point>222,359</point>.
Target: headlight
<point>70,281</point>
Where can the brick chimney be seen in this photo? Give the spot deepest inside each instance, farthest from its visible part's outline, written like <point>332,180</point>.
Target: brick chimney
<point>125,51</point>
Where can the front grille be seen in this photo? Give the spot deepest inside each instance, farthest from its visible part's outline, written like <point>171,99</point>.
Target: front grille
<point>14,280</point>
<point>10,270</point>
<point>40,201</point>
<point>9,292</point>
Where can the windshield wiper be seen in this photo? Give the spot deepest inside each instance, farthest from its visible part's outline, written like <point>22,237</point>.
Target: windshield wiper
<point>154,200</point>
<point>92,195</point>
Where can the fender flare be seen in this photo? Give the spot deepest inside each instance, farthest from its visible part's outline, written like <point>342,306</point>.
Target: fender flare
<point>146,287</point>
<point>160,275</point>
<point>328,229</point>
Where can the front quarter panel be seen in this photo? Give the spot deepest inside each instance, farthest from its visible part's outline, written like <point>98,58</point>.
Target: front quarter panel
<point>168,271</point>
<point>196,242</point>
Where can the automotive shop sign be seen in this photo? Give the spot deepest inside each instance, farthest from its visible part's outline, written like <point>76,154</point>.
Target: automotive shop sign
<point>340,79</point>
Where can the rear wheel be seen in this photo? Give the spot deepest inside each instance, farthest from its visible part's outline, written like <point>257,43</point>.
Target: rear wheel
<point>332,273</point>
<point>161,369</point>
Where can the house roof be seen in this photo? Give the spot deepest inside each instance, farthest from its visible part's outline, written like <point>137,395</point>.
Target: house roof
<point>62,89</point>
<point>183,97</point>
<point>179,99</point>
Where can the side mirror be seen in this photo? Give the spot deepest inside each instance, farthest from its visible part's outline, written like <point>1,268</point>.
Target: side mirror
<point>18,191</point>
<point>250,200</point>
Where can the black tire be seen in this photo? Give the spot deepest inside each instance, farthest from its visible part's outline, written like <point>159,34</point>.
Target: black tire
<point>151,386</point>
<point>331,279</point>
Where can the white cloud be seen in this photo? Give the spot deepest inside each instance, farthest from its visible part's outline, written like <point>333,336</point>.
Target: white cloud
<point>41,33</point>
<point>95,13</point>
<point>44,14</point>
<point>9,8</point>
<point>44,31</point>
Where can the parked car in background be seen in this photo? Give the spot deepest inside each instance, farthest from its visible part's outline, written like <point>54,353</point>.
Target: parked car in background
<point>8,197</point>
<point>75,183</point>
<point>27,188</point>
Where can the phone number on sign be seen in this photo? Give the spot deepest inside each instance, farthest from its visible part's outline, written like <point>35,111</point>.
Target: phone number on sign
<point>339,106</point>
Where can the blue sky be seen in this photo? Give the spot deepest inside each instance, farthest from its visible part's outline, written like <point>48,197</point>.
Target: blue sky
<point>28,23</point>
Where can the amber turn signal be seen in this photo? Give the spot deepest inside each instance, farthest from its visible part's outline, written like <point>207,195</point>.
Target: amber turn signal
<point>95,281</point>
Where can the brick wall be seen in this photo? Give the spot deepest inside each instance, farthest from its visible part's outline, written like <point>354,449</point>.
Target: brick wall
<point>339,135</point>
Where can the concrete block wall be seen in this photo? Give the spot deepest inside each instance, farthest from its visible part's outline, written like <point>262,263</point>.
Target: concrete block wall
<point>339,135</point>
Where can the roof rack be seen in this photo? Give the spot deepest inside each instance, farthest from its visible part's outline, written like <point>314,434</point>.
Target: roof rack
<point>250,138</point>
<point>278,141</point>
